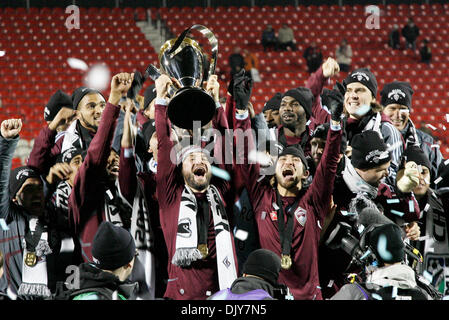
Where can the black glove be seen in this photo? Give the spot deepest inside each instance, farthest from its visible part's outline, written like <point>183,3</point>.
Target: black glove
<point>136,85</point>
<point>243,86</point>
<point>333,99</point>
<point>340,87</point>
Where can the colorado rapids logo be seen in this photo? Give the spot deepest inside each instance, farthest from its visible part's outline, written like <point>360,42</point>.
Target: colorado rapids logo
<point>301,216</point>
<point>360,76</point>
<point>396,93</point>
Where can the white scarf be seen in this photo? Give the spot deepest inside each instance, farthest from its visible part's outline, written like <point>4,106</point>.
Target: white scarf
<point>141,232</point>
<point>374,124</point>
<point>187,240</point>
<point>111,211</point>
<point>70,137</point>
<point>62,194</point>
<point>365,193</point>
<point>34,279</point>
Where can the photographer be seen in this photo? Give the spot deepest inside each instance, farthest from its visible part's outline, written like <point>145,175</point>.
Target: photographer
<point>259,279</point>
<point>393,280</point>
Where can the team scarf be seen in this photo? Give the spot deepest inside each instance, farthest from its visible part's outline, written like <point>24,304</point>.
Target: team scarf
<point>72,138</point>
<point>142,234</point>
<point>61,196</point>
<point>187,236</point>
<point>35,278</point>
<point>365,193</point>
<point>436,243</point>
<point>113,205</point>
<point>410,135</point>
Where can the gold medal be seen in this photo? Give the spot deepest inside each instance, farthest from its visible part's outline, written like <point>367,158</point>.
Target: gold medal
<point>203,249</point>
<point>30,259</point>
<point>286,261</point>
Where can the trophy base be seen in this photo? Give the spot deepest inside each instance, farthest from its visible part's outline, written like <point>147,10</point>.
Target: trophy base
<point>191,104</point>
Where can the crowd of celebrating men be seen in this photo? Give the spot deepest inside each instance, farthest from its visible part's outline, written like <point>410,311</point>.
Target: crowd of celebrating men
<point>146,211</point>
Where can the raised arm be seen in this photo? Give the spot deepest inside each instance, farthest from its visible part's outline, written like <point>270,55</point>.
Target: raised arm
<point>316,83</point>
<point>43,154</point>
<point>87,186</point>
<point>321,189</point>
<point>9,137</point>
<point>128,172</point>
<point>166,167</point>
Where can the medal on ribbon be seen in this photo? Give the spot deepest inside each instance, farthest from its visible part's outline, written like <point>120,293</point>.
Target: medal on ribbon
<point>286,261</point>
<point>204,250</point>
<point>30,259</point>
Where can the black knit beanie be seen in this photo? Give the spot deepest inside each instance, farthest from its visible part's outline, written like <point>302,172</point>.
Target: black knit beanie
<point>17,178</point>
<point>365,77</point>
<point>295,150</point>
<point>149,95</point>
<point>57,101</point>
<point>273,103</point>
<point>305,98</point>
<point>321,133</point>
<point>148,129</point>
<point>113,247</point>
<point>71,153</point>
<point>79,94</point>
<point>397,92</point>
<point>263,263</point>
<point>386,241</point>
<point>368,150</point>
<point>415,154</point>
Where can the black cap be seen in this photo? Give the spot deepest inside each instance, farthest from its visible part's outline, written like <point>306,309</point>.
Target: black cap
<point>17,178</point>
<point>295,150</point>
<point>71,153</point>
<point>273,103</point>
<point>397,92</point>
<point>113,247</point>
<point>263,263</point>
<point>368,150</point>
<point>148,129</point>
<point>57,101</point>
<point>305,98</point>
<point>321,133</point>
<point>149,95</point>
<point>79,93</point>
<point>415,154</point>
<point>365,77</point>
<point>387,243</point>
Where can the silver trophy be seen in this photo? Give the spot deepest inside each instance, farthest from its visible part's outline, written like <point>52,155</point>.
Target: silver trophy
<point>182,58</point>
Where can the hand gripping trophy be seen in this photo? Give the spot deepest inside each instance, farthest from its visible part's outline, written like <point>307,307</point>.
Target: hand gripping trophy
<point>182,58</point>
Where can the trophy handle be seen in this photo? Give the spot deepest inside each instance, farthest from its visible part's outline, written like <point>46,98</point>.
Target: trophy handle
<point>152,72</point>
<point>212,40</point>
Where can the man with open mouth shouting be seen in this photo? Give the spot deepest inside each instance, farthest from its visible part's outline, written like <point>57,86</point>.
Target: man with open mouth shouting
<point>192,212</point>
<point>289,218</point>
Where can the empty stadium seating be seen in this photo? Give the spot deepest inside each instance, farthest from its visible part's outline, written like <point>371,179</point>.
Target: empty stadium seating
<point>38,44</point>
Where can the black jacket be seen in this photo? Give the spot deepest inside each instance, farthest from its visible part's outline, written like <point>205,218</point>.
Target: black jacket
<point>95,280</point>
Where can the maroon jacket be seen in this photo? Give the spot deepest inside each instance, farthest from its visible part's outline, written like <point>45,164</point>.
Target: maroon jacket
<point>316,83</point>
<point>184,283</point>
<point>302,278</point>
<point>86,201</point>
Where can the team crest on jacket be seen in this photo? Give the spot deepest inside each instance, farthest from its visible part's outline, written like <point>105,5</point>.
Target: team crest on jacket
<point>301,215</point>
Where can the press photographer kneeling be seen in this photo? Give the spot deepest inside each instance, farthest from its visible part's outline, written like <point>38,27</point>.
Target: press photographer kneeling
<point>391,279</point>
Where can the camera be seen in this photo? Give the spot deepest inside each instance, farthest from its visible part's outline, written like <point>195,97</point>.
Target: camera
<point>341,238</point>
